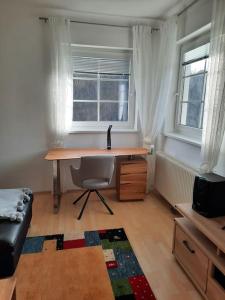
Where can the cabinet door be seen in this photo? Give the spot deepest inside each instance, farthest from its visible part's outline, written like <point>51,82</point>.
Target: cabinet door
<point>191,257</point>
<point>214,291</point>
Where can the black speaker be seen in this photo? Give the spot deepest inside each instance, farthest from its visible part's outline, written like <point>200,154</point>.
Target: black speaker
<point>209,195</point>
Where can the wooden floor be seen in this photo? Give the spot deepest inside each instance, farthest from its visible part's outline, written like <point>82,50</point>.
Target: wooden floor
<point>148,224</point>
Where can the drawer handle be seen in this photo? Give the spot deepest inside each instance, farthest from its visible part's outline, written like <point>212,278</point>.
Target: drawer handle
<point>188,247</point>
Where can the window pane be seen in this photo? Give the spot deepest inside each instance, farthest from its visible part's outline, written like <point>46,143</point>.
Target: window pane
<point>114,90</point>
<point>194,68</point>
<point>196,53</point>
<point>196,87</point>
<point>191,114</point>
<point>114,111</point>
<point>193,88</point>
<point>85,111</point>
<point>84,89</point>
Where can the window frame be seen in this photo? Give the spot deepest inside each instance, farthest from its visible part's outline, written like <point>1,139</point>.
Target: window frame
<point>185,130</point>
<point>102,126</point>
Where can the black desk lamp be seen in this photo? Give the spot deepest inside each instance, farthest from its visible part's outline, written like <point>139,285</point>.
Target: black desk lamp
<point>109,137</point>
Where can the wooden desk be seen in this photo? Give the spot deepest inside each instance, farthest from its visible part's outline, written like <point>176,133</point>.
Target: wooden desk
<point>58,154</point>
<point>73,274</point>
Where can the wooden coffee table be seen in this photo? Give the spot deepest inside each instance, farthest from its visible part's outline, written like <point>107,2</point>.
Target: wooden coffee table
<point>78,274</point>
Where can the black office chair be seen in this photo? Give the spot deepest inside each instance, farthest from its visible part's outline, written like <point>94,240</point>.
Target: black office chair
<point>94,173</point>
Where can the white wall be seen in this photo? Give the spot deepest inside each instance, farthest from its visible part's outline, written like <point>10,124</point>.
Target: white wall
<point>100,35</point>
<point>22,100</point>
<point>23,97</point>
<point>196,17</point>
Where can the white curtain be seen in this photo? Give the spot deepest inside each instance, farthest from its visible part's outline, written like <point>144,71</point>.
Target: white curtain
<point>60,87</point>
<point>154,58</point>
<point>166,70</point>
<point>214,115</point>
<point>143,74</point>
<point>153,75</point>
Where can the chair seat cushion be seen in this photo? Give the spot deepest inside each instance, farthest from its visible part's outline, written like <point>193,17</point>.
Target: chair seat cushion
<point>95,183</point>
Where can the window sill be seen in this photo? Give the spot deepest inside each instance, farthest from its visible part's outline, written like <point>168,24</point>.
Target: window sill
<point>183,138</point>
<point>74,131</point>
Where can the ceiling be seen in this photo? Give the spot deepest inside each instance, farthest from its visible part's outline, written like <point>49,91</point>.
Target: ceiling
<point>134,8</point>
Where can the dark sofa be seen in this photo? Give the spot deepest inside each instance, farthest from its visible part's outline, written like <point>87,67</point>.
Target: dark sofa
<point>12,237</point>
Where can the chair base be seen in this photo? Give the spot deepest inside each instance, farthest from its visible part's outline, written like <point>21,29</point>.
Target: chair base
<point>101,198</point>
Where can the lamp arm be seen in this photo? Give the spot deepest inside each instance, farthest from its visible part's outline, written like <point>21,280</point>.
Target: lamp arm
<point>109,137</point>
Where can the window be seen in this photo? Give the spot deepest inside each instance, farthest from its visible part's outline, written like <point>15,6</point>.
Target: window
<point>191,89</point>
<point>102,90</point>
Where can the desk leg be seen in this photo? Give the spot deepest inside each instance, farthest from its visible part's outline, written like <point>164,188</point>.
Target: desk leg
<point>56,186</point>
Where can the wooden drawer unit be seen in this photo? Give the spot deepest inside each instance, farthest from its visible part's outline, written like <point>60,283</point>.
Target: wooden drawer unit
<point>133,167</point>
<point>131,179</point>
<point>193,260</point>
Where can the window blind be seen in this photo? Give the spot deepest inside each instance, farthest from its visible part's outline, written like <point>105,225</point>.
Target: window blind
<point>196,54</point>
<point>95,65</point>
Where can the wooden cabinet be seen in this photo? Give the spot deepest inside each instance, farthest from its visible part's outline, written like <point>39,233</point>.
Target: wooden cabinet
<point>199,247</point>
<point>214,291</point>
<point>191,257</point>
<point>131,179</point>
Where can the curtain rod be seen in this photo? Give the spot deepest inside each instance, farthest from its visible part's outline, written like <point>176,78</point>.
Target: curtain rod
<point>187,7</point>
<point>92,23</point>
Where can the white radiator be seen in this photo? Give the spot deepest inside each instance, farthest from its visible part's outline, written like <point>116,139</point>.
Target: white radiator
<point>173,180</point>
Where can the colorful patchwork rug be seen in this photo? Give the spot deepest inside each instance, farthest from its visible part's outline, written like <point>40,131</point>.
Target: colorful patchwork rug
<point>127,278</point>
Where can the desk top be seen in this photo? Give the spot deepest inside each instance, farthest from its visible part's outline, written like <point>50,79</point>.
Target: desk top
<point>71,153</point>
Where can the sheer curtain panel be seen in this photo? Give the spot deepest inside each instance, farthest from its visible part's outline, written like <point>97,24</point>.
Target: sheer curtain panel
<point>165,84</point>
<point>214,115</point>
<point>154,57</point>
<point>153,74</point>
<point>60,86</point>
<point>143,61</point>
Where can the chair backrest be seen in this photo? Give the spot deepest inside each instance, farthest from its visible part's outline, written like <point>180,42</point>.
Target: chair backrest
<point>94,167</point>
